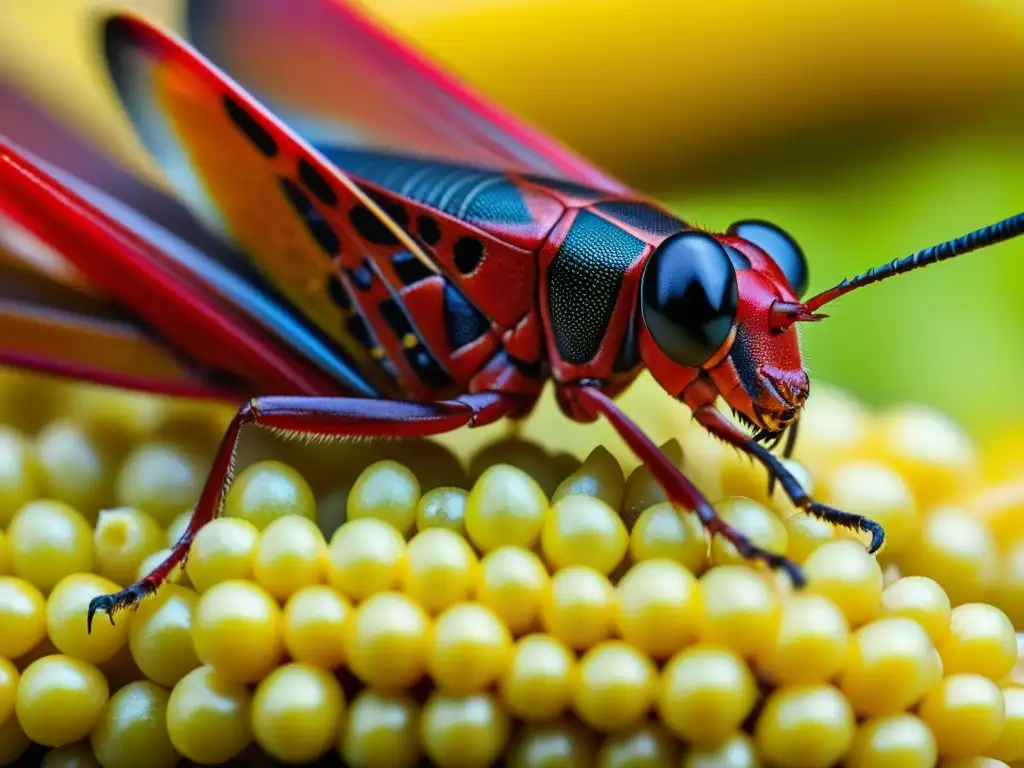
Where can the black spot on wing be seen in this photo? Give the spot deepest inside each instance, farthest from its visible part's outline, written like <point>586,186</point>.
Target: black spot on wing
<point>427,368</point>
<point>316,225</point>
<point>360,331</point>
<point>428,229</point>
<point>643,216</point>
<point>316,183</point>
<point>369,227</point>
<point>337,292</point>
<point>584,281</point>
<point>420,359</point>
<point>410,270</point>
<point>463,323</point>
<point>247,124</point>
<point>468,254</point>
<point>396,318</point>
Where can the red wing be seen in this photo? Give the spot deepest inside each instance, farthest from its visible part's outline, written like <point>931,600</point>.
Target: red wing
<point>86,295</point>
<point>341,254</point>
<point>340,79</point>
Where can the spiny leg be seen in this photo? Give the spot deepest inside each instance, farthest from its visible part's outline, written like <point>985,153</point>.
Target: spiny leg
<point>315,416</point>
<point>715,422</point>
<point>676,485</point>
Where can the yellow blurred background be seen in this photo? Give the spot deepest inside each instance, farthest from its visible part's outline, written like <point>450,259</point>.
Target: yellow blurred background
<point>867,128</point>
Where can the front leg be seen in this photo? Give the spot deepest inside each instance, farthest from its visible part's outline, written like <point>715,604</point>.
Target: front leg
<point>330,417</point>
<point>717,424</point>
<point>591,402</point>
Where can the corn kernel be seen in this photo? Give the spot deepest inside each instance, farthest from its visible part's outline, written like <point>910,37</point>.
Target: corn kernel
<point>956,550</point>
<point>512,582</point>
<point>646,745</point>
<point>706,694</point>
<point>527,457</point>
<point>22,615</point>
<point>753,520</point>
<point>49,540</point>
<point>9,677</point>
<point>224,549</point>
<point>381,729</point>
<point>583,530</point>
<point>1008,591</point>
<point>615,686</point>
<point>75,468</point>
<point>661,607</point>
<point>237,630</point>
<point>539,680</point>
<point>13,741</point>
<point>561,743</point>
<point>19,474</point>
<point>133,729</point>
<point>642,491</point>
<point>365,558</point>
<point>741,608</point>
<point>468,649</point>
<point>60,699</point>
<point>439,569</point>
<point>934,454</point>
<point>893,741</point>
<point>966,714</point>
<point>845,573</point>
<point>65,609</point>
<point>505,507</point>
<point>1010,744</point>
<point>177,527</point>
<point>578,607</point>
<point>386,491</point>
<point>463,731</point>
<point>296,713</point>
<point>662,531</point>
<point>921,599</point>
<point>892,664</point>
<point>77,755</point>
<point>442,508</point>
<point>811,644</point>
<point>161,479</point>
<point>123,538</point>
<point>981,641</point>
<point>805,534</point>
<point>736,751</point>
<point>291,554</point>
<point>314,626</point>
<point>268,490</point>
<point>386,641</point>
<point>600,476</point>
<point>5,555</point>
<point>878,492</point>
<point>160,635</point>
<point>208,717</point>
<point>808,726</point>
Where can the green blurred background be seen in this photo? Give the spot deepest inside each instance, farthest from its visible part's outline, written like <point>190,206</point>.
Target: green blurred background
<point>867,128</point>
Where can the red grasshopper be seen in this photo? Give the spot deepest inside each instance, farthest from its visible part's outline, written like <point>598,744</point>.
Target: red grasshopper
<point>429,271</point>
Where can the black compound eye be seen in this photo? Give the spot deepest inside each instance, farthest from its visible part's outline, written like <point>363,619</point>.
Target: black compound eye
<point>688,297</point>
<point>782,249</point>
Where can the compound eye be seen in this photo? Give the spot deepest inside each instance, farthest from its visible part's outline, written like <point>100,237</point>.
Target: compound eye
<point>688,297</point>
<point>782,249</point>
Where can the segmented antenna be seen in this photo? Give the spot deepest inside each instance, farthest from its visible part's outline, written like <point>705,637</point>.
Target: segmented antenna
<point>980,238</point>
